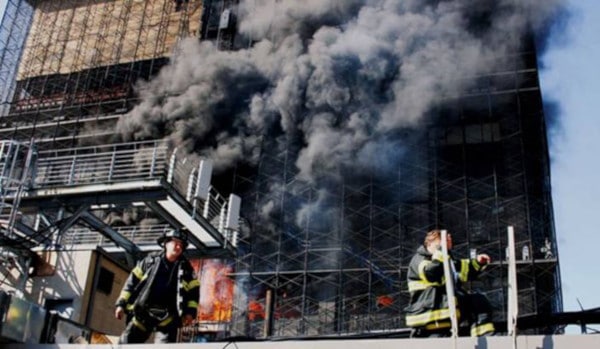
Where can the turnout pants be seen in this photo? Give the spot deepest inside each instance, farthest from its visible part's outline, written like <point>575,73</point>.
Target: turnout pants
<point>475,311</point>
<point>144,323</point>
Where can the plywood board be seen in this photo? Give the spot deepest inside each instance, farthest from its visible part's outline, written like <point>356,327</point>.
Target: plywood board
<point>66,37</point>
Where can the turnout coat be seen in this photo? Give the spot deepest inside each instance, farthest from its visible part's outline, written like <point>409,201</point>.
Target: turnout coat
<point>428,304</point>
<point>134,296</point>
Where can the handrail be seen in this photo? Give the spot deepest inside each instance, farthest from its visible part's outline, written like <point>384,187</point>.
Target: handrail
<point>134,161</point>
<point>100,165</point>
<point>136,234</point>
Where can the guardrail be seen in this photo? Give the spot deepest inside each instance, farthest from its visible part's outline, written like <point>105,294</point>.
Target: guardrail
<point>138,234</point>
<point>101,164</point>
<point>134,161</point>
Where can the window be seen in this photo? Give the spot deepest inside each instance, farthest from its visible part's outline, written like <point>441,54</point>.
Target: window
<point>105,280</point>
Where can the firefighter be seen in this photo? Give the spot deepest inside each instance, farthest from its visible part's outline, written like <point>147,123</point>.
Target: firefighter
<point>160,294</point>
<point>428,313</point>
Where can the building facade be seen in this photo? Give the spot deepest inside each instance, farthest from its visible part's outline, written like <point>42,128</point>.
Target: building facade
<point>479,168</point>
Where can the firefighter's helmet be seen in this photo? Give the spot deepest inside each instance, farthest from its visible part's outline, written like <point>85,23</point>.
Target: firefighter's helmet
<point>173,234</point>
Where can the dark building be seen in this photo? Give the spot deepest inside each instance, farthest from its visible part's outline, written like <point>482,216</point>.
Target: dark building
<point>330,251</point>
<point>480,165</point>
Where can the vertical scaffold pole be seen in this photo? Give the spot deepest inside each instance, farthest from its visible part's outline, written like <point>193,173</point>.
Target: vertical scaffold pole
<point>172,163</point>
<point>513,300</point>
<point>449,276</point>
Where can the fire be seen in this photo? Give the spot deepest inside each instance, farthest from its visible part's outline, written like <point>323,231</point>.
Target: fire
<point>283,307</point>
<point>216,290</point>
<point>256,311</point>
<point>384,301</point>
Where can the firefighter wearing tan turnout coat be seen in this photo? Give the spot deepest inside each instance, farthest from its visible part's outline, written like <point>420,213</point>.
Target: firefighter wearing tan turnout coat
<point>428,311</point>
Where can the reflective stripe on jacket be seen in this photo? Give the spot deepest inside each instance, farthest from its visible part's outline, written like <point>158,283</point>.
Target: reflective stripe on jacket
<point>428,304</point>
<point>137,286</point>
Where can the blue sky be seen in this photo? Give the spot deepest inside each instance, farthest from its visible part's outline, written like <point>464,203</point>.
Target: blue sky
<point>571,77</point>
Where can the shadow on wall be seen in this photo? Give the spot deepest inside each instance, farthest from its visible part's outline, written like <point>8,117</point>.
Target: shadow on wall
<point>547,343</point>
<point>64,284</point>
<point>481,343</point>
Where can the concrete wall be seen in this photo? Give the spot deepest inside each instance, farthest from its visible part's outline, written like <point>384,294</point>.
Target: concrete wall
<point>523,342</point>
<point>72,279</point>
<point>68,281</point>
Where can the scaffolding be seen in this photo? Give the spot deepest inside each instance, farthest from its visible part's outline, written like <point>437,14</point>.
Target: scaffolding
<point>480,166</point>
<point>67,71</point>
<point>69,67</point>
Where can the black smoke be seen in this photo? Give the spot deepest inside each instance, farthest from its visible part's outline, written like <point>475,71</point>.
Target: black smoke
<point>341,79</point>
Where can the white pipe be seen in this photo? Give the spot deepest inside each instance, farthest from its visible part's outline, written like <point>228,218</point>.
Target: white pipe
<point>172,163</point>
<point>513,297</point>
<point>449,275</point>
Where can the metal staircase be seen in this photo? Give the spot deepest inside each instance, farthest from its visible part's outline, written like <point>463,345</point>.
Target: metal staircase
<point>15,178</point>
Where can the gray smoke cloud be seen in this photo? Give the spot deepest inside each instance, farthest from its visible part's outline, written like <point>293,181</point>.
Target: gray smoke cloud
<point>342,77</point>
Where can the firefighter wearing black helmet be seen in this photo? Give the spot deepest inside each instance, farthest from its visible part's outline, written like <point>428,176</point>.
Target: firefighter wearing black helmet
<point>160,294</point>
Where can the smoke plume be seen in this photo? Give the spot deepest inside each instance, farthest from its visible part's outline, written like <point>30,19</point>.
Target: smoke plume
<point>340,78</point>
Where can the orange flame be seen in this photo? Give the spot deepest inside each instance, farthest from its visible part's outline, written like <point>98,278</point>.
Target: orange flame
<point>256,311</point>
<point>216,290</point>
<point>384,301</point>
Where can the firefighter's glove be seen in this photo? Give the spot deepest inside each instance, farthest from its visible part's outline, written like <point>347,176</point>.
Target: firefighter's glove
<point>438,256</point>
